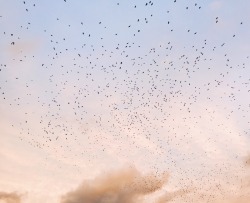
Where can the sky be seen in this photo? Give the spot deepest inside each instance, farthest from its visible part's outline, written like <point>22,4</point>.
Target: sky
<point>124,101</point>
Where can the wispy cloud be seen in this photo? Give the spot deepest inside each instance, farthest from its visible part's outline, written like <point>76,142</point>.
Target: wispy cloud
<point>169,196</point>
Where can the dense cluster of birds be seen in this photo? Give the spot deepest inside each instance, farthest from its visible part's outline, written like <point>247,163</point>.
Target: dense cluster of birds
<point>138,80</point>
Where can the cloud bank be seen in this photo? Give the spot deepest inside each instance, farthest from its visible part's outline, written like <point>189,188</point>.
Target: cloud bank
<point>123,186</point>
<point>10,197</point>
<point>128,185</point>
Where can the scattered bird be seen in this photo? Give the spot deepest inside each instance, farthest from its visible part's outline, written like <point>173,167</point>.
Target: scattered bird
<point>104,85</point>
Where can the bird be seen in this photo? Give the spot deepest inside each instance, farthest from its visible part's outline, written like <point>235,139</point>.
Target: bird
<point>105,86</point>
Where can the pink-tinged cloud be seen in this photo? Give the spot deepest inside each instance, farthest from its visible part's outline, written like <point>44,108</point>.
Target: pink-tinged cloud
<point>10,197</point>
<point>130,186</point>
<point>124,186</point>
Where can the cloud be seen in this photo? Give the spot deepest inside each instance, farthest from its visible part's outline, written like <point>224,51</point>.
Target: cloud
<point>171,195</point>
<point>10,197</point>
<point>123,186</point>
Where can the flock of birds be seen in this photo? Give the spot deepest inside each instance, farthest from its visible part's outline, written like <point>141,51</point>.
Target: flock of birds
<point>132,85</point>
